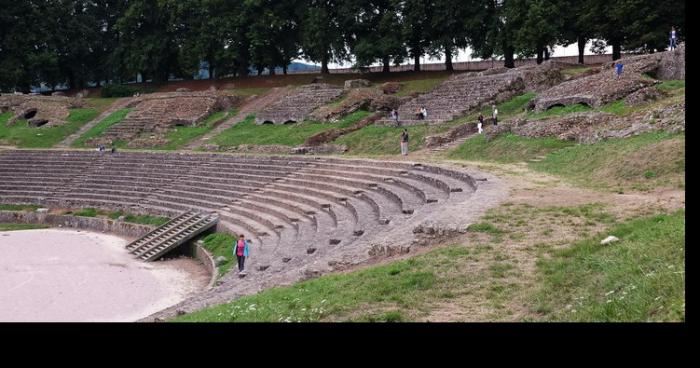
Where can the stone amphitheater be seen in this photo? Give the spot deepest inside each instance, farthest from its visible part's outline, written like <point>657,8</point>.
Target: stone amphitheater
<point>155,114</point>
<point>306,216</point>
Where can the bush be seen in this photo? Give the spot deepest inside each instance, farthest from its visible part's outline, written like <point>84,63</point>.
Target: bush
<point>118,90</point>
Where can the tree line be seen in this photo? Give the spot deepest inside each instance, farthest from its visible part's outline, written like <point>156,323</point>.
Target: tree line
<point>74,42</point>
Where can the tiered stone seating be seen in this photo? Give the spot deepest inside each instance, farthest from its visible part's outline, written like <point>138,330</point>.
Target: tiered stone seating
<point>297,104</point>
<point>294,209</point>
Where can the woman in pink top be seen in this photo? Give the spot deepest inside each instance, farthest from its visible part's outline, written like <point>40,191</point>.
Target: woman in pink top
<point>241,251</point>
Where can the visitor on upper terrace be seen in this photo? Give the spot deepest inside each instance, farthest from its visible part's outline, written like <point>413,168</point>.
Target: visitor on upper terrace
<point>495,115</point>
<point>424,112</point>
<point>395,116</point>
<point>419,114</point>
<point>404,142</point>
<point>673,38</point>
<point>618,69</point>
<point>480,124</point>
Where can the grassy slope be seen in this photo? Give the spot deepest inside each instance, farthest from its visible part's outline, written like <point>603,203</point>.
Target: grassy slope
<point>18,207</point>
<point>23,136</point>
<point>137,219</point>
<point>418,86</point>
<point>247,132</point>
<point>221,244</point>
<point>506,148</point>
<point>180,136</point>
<point>100,127</point>
<point>640,278</point>
<point>642,162</point>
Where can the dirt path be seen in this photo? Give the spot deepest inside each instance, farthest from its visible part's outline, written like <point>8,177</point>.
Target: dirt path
<point>117,105</point>
<point>251,105</point>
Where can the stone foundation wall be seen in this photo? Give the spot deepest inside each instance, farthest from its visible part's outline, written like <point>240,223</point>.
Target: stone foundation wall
<point>125,229</point>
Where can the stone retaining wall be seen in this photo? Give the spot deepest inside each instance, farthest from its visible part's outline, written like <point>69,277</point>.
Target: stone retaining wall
<point>125,229</point>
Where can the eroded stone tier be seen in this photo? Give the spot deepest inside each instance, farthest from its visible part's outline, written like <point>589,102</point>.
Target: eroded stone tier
<point>298,103</point>
<point>159,112</point>
<point>462,93</point>
<point>38,110</point>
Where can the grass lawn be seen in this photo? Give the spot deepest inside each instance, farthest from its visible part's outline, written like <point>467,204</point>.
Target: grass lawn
<point>245,92</point>
<point>180,136</point>
<point>506,148</point>
<point>418,86</point>
<point>640,278</point>
<point>643,162</point>
<point>19,207</point>
<point>23,136</point>
<point>11,227</point>
<point>101,104</point>
<point>221,244</point>
<point>384,140</point>
<point>247,132</point>
<point>99,128</point>
<point>136,219</point>
<point>559,111</point>
<point>571,72</point>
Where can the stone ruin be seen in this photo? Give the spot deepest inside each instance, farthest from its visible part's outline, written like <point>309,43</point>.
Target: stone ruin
<point>156,114</point>
<point>38,110</point>
<point>463,93</point>
<point>298,103</point>
<point>604,87</point>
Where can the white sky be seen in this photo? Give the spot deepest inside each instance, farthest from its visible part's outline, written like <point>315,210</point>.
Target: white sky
<point>463,55</point>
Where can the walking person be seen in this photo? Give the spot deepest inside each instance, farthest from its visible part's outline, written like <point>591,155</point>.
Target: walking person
<point>618,68</point>
<point>673,38</point>
<point>495,115</point>
<point>404,142</point>
<point>480,124</point>
<point>419,114</point>
<point>424,112</point>
<point>241,252</point>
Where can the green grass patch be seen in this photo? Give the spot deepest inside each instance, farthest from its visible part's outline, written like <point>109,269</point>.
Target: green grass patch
<point>484,227</point>
<point>572,72</point>
<point>643,162</point>
<point>139,219</point>
<point>21,135</point>
<point>245,92</point>
<point>558,111</point>
<point>418,86</point>
<point>180,136</point>
<point>19,207</point>
<point>671,85</point>
<point>247,132</point>
<point>101,127</point>
<point>101,104</point>
<point>506,148</point>
<point>385,140</point>
<point>512,107</point>
<point>221,244</point>
<point>86,212</point>
<point>640,278</point>
<point>13,227</point>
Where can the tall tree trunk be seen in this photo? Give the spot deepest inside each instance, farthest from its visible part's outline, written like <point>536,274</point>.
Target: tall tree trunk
<point>617,50</point>
<point>260,69</point>
<point>272,70</point>
<point>416,62</point>
<point>448,59</point>
<point>509,61</point>
<point>546,53</point>
<point>284,69</point>
<point>540,52</point>
<point>324,65</point>
<point>581,48</point>
<point>386,68</point>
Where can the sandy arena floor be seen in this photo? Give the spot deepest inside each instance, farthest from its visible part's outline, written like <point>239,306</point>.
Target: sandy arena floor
<point>68,275</point>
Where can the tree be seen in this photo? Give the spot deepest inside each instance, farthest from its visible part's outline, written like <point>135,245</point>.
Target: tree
<point>539,26</point>
<point>416,21</point>
<point>448,28</point>
<point>492,31</point>
<point>148,39</point>
<point>578,24</point>
<point>322,35</point>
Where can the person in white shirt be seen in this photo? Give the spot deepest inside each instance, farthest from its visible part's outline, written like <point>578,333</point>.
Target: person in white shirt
<point>495,115</point>
<point>424,111</point>
<point>673,38</point>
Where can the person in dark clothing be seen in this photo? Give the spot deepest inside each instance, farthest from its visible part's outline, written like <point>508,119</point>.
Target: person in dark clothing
<point>240,250</point>
<point>404,142</point>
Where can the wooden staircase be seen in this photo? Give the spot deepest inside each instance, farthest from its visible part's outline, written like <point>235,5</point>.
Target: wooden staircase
<point>171,235</point>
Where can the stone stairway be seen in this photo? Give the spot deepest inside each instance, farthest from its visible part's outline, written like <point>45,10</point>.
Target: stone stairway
<point>117,105</point>
<point>171,235</point>
<point>450,145</point>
